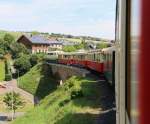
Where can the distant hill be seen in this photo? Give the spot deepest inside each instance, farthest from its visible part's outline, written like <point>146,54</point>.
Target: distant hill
<point>67,37</point>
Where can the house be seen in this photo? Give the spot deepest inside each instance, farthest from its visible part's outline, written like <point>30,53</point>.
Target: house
<point>38,43</point>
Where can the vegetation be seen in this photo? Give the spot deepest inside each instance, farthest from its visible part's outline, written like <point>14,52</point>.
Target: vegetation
<point>22,64</point>
<point>16,35</point>
<point>2,70</point>
<point>69,49</point>
<point>102,45</point>
<point>17,50</point>
<point>28,105</point>
<point>8,75</point>
<point>74,48</point>
<point>13,101</point>
<point>38,81</point>
<point>59,108</point>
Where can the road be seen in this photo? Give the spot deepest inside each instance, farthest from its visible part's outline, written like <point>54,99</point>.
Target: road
<point>12,86</point>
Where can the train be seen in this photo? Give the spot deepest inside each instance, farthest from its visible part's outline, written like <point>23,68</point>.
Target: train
<point>120,64</point>
<point>100,60</point>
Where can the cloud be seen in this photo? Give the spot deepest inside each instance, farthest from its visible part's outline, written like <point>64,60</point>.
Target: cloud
<point>104,29</point>
<point>79,17</point>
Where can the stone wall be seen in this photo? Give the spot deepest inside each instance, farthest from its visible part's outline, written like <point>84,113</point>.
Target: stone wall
<point>63,72</point>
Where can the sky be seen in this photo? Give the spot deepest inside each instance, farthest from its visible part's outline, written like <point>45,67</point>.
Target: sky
<point>76,17</point>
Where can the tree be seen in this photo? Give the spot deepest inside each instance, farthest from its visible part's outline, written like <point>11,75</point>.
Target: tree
<point>2,52</point>
<point>9,38</point>
<point>22,64</point>
<point>3,46</point>
<point>13,101</point>
<point>18,49</point>
<point>5,43</point>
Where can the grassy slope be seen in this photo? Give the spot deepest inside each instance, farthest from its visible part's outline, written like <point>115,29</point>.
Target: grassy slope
<point>2,70</point>
<point>38,81</point>
<point>58,108</point>
<point>72,39</point>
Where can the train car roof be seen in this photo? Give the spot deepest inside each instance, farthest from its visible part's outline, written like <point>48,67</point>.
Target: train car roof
<point>74,53</point>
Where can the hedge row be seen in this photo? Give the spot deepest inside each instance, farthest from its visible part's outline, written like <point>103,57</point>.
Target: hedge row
<point>8,75</point>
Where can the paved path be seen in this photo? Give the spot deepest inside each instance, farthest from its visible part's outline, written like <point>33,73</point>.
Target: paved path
<point>12,86</point>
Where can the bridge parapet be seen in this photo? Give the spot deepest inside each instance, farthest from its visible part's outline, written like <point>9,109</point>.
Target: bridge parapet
<point>63,72</point>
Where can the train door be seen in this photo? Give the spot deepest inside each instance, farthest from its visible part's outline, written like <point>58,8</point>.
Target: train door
<point>126,61</point>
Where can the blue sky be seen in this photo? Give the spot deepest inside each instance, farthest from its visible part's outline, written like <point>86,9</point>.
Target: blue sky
<point>77,17</point>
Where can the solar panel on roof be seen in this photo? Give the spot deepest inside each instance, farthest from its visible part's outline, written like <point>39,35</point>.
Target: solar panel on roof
<point>42,40</point>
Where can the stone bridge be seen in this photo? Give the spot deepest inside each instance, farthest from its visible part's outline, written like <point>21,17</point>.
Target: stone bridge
<point>63,72</point>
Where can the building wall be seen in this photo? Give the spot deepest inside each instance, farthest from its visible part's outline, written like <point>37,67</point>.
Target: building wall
<point>57,46</point>
<point>44,48</point>
<point>39,48</point>
<point>26,42</point>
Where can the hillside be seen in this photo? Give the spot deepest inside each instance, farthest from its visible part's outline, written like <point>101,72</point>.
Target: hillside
<point>59,108</point>
<point>38,81</point>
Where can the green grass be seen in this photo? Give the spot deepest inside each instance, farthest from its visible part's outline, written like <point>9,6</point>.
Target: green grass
<point>72,39</point>
<point>2,70</point>
<point>38,81</point>
<point>59,108</point>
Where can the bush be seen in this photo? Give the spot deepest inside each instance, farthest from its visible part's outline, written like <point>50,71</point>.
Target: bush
<point>8,77</point>
<point>22,64</point>
<point>34,59</point>
<point>18,49</point>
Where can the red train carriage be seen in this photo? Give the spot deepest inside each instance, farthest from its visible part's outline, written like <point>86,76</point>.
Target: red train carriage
<point>109,64</point>
<point>91,59</point>
<point>95,61</point>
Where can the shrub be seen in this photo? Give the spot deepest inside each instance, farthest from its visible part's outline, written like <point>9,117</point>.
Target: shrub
<point>22,64</point>
<point>8,75</point>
